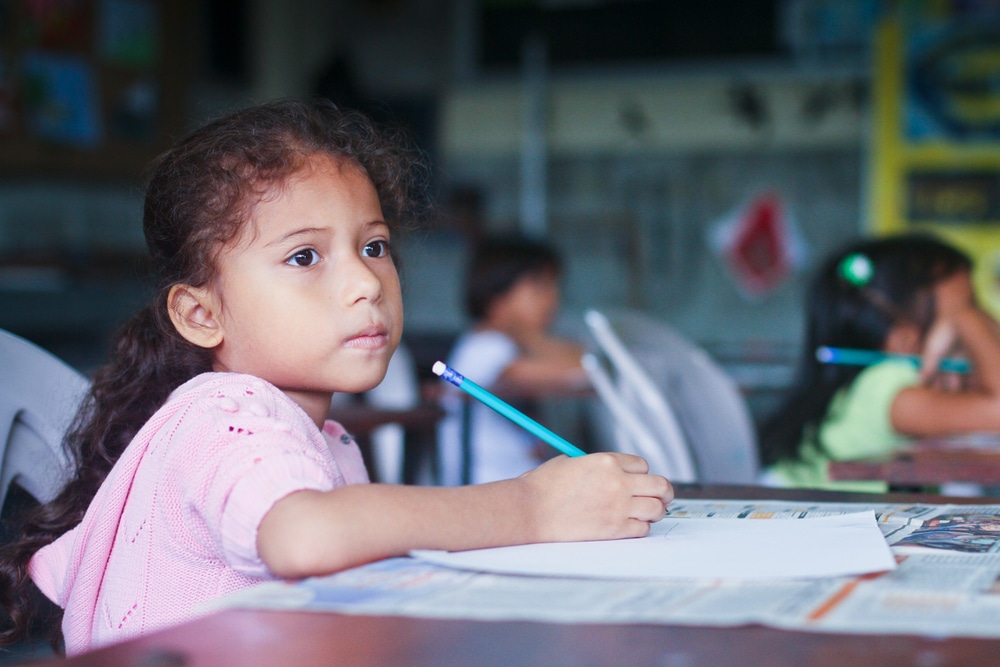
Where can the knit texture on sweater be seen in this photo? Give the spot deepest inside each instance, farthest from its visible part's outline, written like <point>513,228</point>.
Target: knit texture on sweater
<point>175,522</point>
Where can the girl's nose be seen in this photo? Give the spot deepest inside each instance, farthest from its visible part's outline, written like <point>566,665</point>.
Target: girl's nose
<point>362,283</point>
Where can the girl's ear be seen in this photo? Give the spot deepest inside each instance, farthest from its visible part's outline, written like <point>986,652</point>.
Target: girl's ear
<point>194,312</point>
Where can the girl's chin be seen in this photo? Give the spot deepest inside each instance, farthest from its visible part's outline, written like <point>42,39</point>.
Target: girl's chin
<point>363,382</point>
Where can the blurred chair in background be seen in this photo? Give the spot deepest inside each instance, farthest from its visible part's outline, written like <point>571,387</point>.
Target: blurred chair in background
<point>642,421</point>
<point>398,390</point>
<point>664,384</point>
<point>39,395</point>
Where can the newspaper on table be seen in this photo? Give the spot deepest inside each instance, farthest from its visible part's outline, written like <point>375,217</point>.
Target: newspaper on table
<point>946,583</point>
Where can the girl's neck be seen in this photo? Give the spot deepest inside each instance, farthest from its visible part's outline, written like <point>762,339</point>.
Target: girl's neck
<point>315,404</point>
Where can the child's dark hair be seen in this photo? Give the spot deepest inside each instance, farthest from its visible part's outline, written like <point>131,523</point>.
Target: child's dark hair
<point>198,198</point>
<point>854,300</point>
<point>500,261</point>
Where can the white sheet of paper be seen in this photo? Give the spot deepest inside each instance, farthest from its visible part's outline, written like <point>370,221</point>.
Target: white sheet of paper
<point>747,549</point>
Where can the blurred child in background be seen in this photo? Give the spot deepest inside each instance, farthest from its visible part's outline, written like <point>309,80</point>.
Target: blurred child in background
<point>908,294</point>
<point>512,296</point>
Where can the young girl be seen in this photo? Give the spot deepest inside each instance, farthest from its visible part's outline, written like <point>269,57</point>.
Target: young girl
<point>908,294</point>
<point>512,297</point>
<point>203,461</point>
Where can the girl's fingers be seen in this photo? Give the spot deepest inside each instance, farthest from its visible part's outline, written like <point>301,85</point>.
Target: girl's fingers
<point>642,483</point>
<point>938,342</point>
<point>635,528</point>
<point>653,486</point>
<point>628,462</point>
<point>648,509</point>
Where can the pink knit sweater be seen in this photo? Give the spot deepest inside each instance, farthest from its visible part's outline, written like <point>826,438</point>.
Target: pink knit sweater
<point>175,522</point>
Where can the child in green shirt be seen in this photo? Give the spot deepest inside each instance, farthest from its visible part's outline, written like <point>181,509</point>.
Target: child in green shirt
<point>909,294</point>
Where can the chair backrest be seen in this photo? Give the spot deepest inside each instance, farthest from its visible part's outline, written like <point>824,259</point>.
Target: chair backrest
<point>643,421</point>
<point>39,394</point>
<point>709,408</point>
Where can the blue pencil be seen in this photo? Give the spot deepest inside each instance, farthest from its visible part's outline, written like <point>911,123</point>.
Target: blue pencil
<point>852,357</point>
<point>508,411</point>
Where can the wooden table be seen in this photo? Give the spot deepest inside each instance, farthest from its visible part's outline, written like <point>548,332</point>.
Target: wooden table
<point>251,638</point>
<point>302,639</point>
<point>926,463</point>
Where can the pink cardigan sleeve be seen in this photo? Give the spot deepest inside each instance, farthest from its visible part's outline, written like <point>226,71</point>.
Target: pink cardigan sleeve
<point>262,457</point>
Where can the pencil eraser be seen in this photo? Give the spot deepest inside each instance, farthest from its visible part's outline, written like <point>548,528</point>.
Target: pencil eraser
<point>438,367</point>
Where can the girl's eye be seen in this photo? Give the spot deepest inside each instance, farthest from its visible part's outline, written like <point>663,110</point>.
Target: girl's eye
<point>304,257</point>
<point>376,249</point>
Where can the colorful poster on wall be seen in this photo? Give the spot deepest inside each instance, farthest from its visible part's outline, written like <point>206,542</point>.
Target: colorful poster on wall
<point>61,99</point>
<point>129,32</point>
<point>54,25</point>
<point>91,88</point>
<point>936,151</point>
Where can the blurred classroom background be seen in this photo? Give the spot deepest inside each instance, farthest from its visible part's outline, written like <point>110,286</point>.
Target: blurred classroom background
<point>690,160</point>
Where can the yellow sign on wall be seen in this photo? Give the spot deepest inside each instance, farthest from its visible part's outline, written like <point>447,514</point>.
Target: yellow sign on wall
<point>936,151</point>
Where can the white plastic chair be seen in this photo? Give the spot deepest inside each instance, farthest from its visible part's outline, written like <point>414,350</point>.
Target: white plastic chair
<point>715,423</point>
<point>39,394</point>
<point>399,389</point>
<point>645,424</point>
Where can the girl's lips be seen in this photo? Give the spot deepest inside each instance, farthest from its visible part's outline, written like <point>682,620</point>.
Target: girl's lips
<point>369,339</point>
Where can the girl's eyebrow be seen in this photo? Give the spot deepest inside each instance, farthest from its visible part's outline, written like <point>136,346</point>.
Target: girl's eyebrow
<point>378,222</point>
<point>305,231</point>
<point>376,226</point>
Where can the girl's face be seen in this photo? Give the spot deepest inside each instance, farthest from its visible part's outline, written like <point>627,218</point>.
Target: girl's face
<point>309,296</point>
<point>532,302</point>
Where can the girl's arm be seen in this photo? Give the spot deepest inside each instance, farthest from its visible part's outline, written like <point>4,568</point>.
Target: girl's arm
<point>547,364</point>
<point>600,496</point>
<point>928,411</point>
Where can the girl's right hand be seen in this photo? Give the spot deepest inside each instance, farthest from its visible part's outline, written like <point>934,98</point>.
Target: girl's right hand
<point>939,343</point>
<point>952,296</point>
<point>608,495</point>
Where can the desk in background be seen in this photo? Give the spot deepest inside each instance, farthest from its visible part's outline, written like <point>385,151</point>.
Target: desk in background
<point>929,462</point>
<point>419,425</point>
<point>250,638</point>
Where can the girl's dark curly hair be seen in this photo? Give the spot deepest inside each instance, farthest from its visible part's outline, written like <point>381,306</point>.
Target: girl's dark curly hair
<point>199,195</point>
